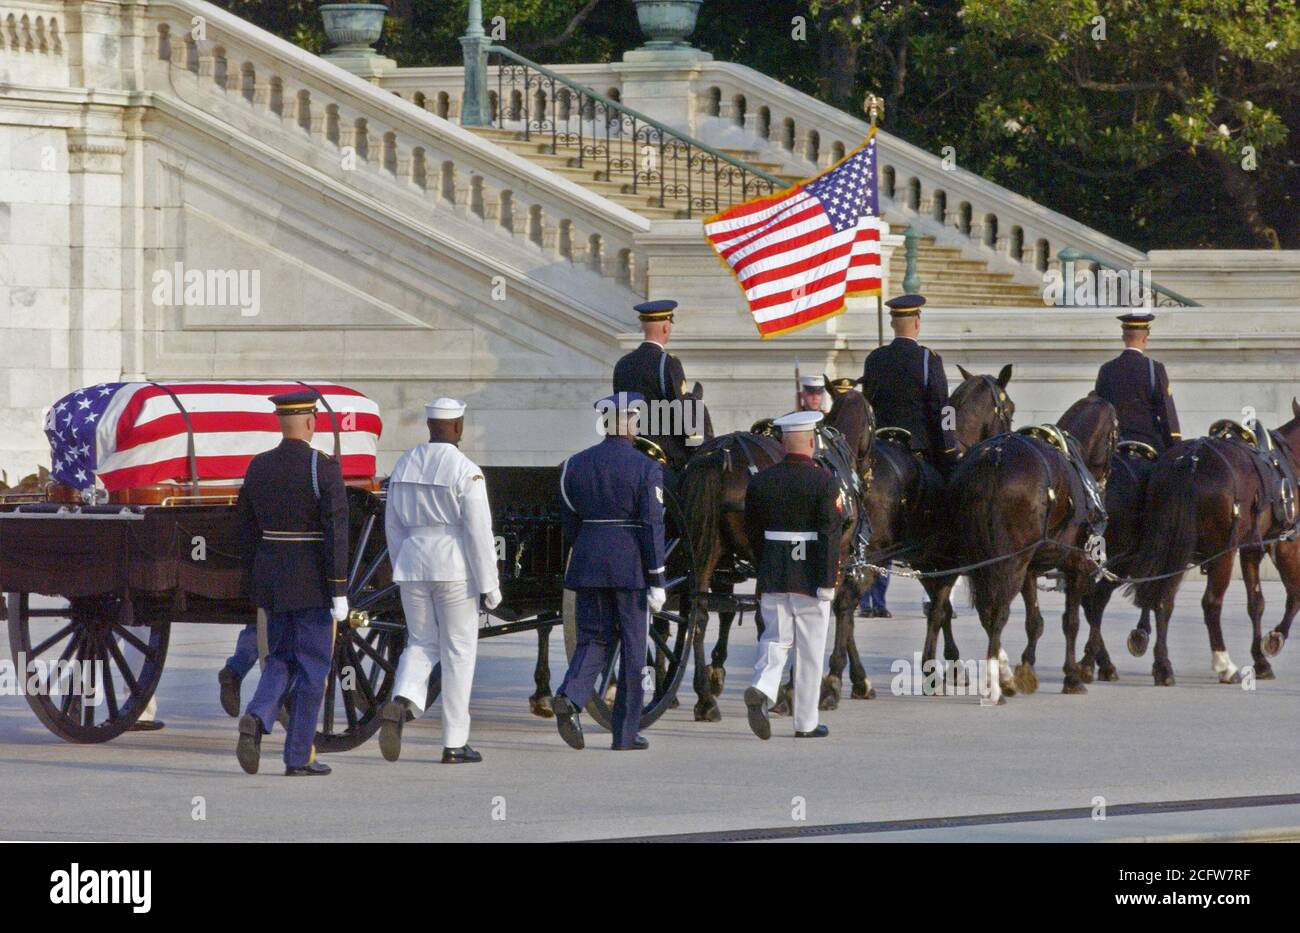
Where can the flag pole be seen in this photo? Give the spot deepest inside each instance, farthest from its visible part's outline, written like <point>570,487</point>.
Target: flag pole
<point>875,107</point>
<point>798,386</point>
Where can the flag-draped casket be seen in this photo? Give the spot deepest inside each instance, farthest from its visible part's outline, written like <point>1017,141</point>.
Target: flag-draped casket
<point>133,434</point>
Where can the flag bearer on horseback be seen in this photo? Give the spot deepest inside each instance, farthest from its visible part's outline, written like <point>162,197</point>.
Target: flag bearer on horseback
<point>907,388</point>
<point>654,373</point>
<point>793,517</point>
<point>1138,387</point>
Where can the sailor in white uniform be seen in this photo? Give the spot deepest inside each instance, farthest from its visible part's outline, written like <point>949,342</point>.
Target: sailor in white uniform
<point>440,542</point>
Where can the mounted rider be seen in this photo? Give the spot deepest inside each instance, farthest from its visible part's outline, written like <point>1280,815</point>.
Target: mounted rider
<point>835,451</point>
<point>848,412</point>
<point>1138,387</point>
<point>655,374</point>
<point>906,386</point>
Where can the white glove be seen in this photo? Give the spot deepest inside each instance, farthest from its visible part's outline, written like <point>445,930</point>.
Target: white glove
<point>825,593</point>
<point>340,609</point>
<point>492,599</point>
<point>656,598</point>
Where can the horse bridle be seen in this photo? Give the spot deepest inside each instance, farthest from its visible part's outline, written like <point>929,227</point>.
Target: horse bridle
<point>1002,417</point>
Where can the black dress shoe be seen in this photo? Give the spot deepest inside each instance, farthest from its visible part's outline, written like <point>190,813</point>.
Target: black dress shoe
<point>391,719</point>
<point>315,769</point>
<point>638,745</point>
<point>249,748</point>
<point>883,613</point>
<point>460,756</point>
<point>566,721</point>
<point>146,725</point>
<point>819,733</point>
<point>229,692</point>
<point>756,707</point>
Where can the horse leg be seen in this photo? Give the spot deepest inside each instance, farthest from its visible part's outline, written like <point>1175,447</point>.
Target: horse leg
<point>706,708</point>
<point>842,609</point>
<point>931,685</point>
<point>1250,559</point>
<point>1074,586</point>
<point>862,689</point>
<point>1026,677</point>
<point>539,704</point>
<point>1286,555</point>
<point>1217,577</point>
<point>994,618</point>
<point>1140,636</point>
<point>941,595</point>
<point>717,669</point>
<point>1094,608</point>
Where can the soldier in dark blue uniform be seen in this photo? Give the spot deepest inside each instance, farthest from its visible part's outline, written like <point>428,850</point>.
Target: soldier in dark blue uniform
<point>849,413</point>
<point>655,374</point>
<point>613,499</point>
<point>1138,387</point>
<point>907,388</point>
<point>794,516</point>
<point>293,532</point>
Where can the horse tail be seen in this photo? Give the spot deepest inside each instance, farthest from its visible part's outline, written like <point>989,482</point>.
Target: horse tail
<point>976,506</point>
<point>1168,540</point>
<point>702,498</point>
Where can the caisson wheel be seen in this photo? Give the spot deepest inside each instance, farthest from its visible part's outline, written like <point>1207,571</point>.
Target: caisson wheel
<point>668,645</point>
<point>86,675</point>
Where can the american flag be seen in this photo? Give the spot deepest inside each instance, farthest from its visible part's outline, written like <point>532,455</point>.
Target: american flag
<point>132,433</point>
<point>797,255</point>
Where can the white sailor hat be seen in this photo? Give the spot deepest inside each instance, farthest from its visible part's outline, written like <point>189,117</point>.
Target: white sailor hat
<point>809,383</point>
<point>798,421</point>
<point>444,409</point>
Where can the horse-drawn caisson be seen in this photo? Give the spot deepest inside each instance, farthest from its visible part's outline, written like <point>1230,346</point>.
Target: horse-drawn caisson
<point>95,575</point>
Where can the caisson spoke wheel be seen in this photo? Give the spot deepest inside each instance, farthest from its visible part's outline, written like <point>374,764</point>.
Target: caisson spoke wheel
<point>361,678</point>
<point>668,643</point>
<point>92,675</point>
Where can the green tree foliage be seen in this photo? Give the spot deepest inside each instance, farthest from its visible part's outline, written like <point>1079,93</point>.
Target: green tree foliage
<point>1139,129</point>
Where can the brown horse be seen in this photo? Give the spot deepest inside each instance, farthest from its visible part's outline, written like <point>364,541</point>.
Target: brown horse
<point>1206,502</point>
<point>1014,508</point>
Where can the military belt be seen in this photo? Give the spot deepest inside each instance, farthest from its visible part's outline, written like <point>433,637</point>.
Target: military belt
<point>616,522</point>
<point>293,536</point>
<point>790,535</point>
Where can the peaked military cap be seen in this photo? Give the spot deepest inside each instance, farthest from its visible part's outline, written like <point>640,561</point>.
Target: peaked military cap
<point>295,403</point>
<point>811,383</point>
<point>620,401</point>
<point>844,384</point>
<point>798,421</point>
<point>905,305</point>
<point>1133,321</point>
<point>661,310</point>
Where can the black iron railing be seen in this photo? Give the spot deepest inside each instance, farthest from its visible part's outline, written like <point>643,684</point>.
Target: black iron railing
<point>618,143</point>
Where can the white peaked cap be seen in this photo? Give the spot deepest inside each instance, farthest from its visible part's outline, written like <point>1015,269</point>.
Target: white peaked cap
<point>812,382</point>
<point>444,409</point>
<point>798,421</point>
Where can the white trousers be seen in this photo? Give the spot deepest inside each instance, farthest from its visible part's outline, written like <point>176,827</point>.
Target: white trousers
<point>798,621</point>
<point>441,628</point>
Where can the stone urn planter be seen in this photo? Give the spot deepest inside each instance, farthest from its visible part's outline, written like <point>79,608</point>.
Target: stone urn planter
<point>667,23</point>
<point>353,27</point>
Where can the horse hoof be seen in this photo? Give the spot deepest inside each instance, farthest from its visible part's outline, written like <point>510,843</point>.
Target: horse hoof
<point>1273,643</point>
<point>863,692</point>
<point>1074,686</point>
<point>1108,673</point>
<point>1233,678</point>
<point>707,711</point>
<point>1163,678</point>
<point>1137,642</point>
<point>1026,678</point>
<point>1263,671</point>
<point>829,702</point>
<point>717,679</point>
<point>1009,688</point>
<point>674,703</point>
<point>1086,673</point>
<point>540,706</point>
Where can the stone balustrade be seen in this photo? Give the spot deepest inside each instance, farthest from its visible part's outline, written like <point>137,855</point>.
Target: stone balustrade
<point>378,143</point>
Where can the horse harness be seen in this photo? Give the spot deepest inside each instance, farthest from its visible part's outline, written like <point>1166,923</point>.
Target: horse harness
<point>1279,478</point>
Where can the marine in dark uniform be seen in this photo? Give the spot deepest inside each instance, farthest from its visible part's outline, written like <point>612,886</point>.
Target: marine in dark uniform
<point>613,497</point>
<point>794,518</point>
<point>654,373</point>
<point>293,533</point>
<point>1138,387</point>
<point>907,388</point>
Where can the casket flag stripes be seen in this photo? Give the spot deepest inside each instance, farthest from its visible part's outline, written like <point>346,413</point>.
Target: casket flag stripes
<point>798,254</point>
<point>135,433</point>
